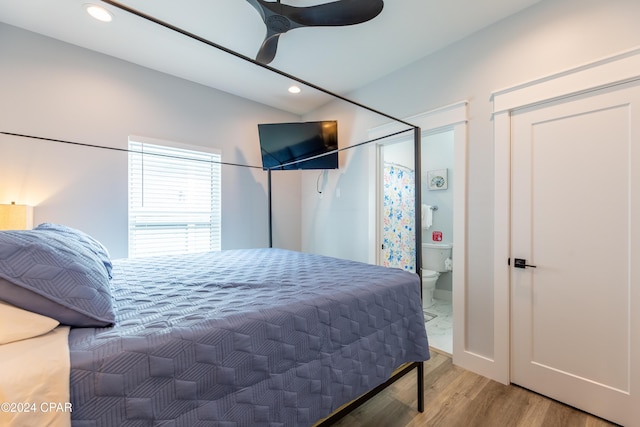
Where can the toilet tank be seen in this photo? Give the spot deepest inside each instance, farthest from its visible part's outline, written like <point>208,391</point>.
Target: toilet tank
<point>434,256</point>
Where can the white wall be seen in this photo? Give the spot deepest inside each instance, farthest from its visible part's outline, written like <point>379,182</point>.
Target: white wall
<point>56,90</point>
<point>552,36</point>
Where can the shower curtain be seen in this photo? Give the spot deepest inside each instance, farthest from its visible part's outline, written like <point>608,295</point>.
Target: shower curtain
<point>398,243</point>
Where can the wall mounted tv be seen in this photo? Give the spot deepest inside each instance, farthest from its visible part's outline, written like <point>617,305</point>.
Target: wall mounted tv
<point>282,143</point>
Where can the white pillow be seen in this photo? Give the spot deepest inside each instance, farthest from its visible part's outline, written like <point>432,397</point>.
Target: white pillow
<point>18,324</point>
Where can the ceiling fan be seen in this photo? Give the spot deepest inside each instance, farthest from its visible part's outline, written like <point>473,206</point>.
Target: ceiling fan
<point>280,18</point>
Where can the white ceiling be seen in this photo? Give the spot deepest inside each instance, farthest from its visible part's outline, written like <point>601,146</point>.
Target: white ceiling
<point>339,59</point>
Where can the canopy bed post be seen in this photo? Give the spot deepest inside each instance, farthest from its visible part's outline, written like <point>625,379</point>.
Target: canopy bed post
<point>417,148</point>
<point>270,213</point>
<point>418,197</point>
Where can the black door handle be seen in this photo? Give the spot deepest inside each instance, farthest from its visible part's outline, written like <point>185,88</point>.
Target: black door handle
<point>521,263</point>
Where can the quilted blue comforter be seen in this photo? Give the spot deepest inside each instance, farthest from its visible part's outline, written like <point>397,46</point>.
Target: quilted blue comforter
<point>243,338</point>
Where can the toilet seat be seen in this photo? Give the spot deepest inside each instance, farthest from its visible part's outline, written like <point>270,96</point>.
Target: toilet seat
<point>427,274</point>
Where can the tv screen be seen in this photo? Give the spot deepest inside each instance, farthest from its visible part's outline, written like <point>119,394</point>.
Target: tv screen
<point>282,143</point>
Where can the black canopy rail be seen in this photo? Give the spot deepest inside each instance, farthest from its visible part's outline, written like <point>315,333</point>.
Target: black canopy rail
<point>326,153</point>
<point>171,156</point>
<point>126,150</point>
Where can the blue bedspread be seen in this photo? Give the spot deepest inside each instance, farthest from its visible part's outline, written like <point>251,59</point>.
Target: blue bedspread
<point>243,338</point>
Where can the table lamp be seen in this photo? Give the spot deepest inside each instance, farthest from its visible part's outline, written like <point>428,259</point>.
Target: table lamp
<point>16,217</point>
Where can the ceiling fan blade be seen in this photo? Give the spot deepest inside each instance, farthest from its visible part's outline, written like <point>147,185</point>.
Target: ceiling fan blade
<point>268,49</point>
<point>337,13</point>
<point>280,18</point>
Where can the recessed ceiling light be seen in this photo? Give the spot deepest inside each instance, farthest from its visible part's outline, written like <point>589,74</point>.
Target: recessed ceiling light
<point>294,89</point>
<point>98,12</point>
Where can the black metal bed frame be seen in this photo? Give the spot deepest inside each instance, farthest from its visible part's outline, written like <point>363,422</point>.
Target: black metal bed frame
<point>402,370</point>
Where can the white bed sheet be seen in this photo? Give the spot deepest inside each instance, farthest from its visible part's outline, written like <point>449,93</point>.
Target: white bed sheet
<point>34,381</point>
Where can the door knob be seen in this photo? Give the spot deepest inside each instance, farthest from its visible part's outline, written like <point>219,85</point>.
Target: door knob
<point>521,263</point>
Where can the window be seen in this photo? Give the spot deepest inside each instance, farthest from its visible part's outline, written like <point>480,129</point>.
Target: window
<point>174,199</point>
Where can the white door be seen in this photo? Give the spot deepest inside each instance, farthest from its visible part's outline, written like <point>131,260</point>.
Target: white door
<point>575,330</point>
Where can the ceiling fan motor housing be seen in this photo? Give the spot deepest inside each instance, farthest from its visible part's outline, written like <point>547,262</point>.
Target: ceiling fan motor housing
<point>278,23</point>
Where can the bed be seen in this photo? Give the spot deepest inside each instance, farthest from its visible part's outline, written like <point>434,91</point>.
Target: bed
<point>232,338</point>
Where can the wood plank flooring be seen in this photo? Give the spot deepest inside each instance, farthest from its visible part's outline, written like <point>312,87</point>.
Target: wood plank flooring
<point>456,397</point>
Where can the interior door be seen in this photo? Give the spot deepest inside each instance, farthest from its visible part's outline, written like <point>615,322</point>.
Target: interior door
<point>576,223</point>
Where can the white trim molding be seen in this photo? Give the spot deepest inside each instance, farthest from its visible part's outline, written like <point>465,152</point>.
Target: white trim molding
<point>608,72</point>
<point>428,121</point>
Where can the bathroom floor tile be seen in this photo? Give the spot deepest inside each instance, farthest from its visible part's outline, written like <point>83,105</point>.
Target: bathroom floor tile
<point>440,329</point>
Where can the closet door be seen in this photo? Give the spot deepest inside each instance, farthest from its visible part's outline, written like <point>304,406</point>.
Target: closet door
<point>575,295</point>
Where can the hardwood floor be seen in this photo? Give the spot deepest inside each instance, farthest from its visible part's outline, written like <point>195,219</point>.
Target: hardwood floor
<point>456,397</point>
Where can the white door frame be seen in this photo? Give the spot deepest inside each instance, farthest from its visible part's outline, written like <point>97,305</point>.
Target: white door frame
<point>607,72</point>
<point>453,117</point>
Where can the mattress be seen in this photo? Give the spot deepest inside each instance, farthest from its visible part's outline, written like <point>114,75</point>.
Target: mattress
<point>34,381</point>
<point>243,337</point>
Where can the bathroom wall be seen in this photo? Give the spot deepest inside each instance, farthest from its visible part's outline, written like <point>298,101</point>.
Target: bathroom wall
<point>400,153</point>
<point>437,153</point>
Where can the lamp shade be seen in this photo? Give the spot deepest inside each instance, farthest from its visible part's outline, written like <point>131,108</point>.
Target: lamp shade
<point>16,217</point>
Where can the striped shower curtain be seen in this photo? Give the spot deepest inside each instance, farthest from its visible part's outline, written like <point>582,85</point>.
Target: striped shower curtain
<point>399,243</point>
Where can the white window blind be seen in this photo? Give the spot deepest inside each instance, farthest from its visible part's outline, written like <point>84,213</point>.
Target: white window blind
<point>174,200</point>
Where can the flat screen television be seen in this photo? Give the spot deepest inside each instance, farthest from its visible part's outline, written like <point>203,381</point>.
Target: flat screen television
<point>283,143</point>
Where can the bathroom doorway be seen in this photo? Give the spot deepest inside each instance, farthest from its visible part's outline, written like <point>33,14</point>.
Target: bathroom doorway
<point>443,136</point>
<point>438,178</point>
<point>396,217</point>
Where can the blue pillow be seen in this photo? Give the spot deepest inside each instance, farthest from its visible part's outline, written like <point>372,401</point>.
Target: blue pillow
<point>96,247</point>
<point>55,275</point>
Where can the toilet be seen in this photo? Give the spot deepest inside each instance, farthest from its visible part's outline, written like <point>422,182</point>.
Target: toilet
<point>436,259</point>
